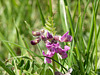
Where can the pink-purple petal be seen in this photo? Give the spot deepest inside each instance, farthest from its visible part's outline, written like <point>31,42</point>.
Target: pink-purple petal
<point>49,36</point>
<point>64,55</point>
<point>66,37</point>
<point>48,60</point>
<point>66,48</point>
<point>43,53</point>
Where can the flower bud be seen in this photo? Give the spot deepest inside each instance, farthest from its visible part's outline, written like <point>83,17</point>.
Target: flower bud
<point>34,42</point>
<point>36,33</point>
<point>43,38</point>
<point>49,36</point>
<point>42,31</point>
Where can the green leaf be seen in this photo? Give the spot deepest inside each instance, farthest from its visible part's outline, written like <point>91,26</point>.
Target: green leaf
<point>33,64</point>
<point>9,66</point>
<point>42,72</point>
<point>20,63</point>
<point>9,71</point>
<point>49,25</point>
<point>49,72</point>
<point>56,58</point>
<point>27,65</point>
<point>39,71</point>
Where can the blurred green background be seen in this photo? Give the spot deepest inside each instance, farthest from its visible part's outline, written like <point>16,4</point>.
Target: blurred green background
<point>14,13</point>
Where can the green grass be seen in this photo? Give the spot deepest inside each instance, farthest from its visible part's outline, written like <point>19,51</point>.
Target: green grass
<point>19,18</point>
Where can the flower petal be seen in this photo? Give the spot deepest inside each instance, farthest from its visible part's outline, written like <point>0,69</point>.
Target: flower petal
<point>43,38</point>
<point>50,53</point>
<point>45,60</point>
<point>66,37</point>
<point>66,48</point>
<point>48,60</point>
<point>58,50</point>
<point>64,55</point>
<point>57,38</point>
<point>43,53</point>
<point>49,36</point>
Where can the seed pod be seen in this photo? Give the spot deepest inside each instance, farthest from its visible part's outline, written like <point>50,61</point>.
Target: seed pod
<point>36,33</point>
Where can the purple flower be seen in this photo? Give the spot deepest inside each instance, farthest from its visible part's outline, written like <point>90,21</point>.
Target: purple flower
<point>62,52</point>
<point>66,37</point>
<point>48,56</point>
<point>52,47</point>
<point>66,48</point>
<point>49,36</point>
<point>52,44</point>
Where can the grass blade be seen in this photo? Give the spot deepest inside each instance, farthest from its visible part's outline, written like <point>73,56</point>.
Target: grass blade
<point>41,14</point>
<point>21,42</point>
<point>7,45</point>
<point>91,30</point>
<point>72,30</point>
<point>77,50</point>
<point>84,12</point>
<point>74,12</point>
<point>70,21</point>
<point>94,19</point>
<point>80,28</point>
<point>50,7</point>
<point>63,16</point>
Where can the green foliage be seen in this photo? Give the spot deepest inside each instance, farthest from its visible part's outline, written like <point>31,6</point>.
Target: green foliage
<point>49,72</point>
<point>17,20</point>
<point>9,71</point>
<point>49,25</point>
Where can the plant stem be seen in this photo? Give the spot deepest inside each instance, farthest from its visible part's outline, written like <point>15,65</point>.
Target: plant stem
<point>53,63</point>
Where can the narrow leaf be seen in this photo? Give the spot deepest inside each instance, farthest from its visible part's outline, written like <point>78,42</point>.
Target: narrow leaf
<point>41,14</point>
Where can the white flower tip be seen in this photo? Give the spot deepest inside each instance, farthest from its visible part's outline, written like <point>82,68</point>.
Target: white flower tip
<point>70,70</point>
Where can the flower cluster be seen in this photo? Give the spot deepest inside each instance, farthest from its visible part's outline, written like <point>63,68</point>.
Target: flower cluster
<point>52,44</point>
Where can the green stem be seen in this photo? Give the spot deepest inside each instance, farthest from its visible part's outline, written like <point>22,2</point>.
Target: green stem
<point>53,63</point>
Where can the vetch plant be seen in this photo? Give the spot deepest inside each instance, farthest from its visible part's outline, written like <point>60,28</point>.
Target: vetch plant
<point>52,44</point>
<point>78,20</point>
